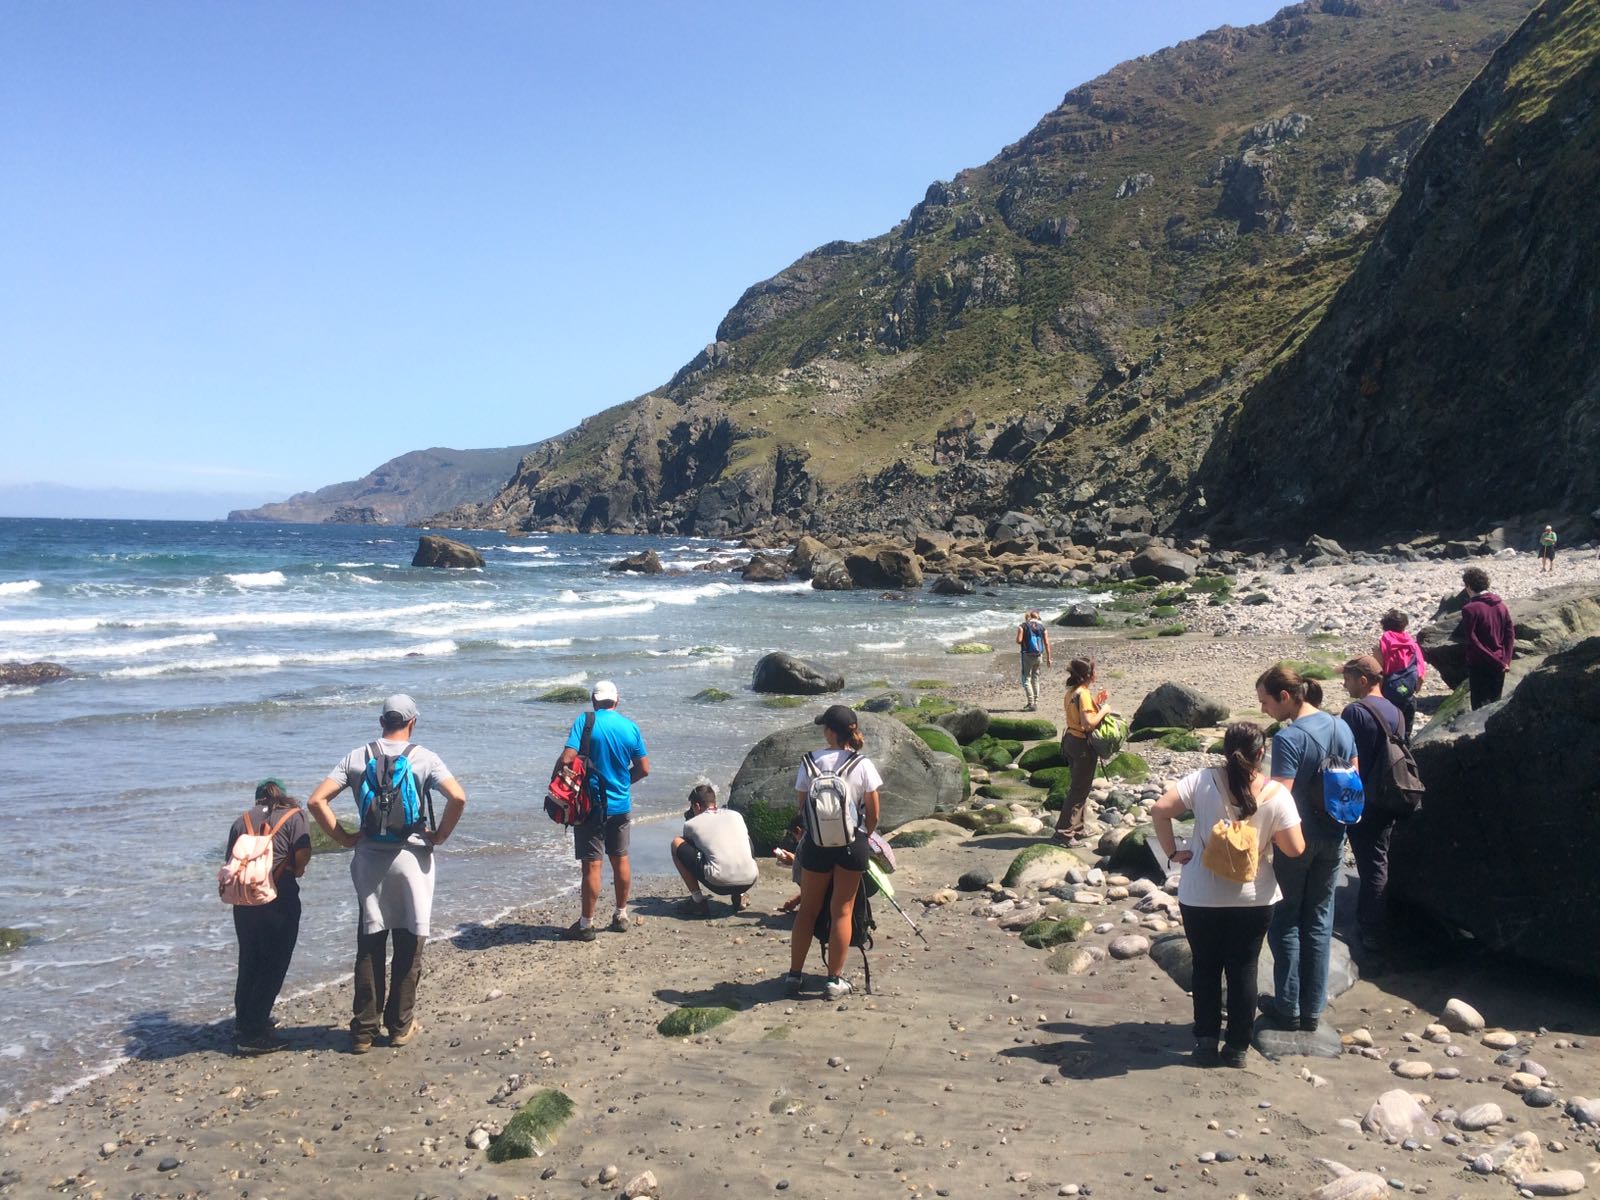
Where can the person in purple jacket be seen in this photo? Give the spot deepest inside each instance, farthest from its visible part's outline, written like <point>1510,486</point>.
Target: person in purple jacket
<point>1490,635</point>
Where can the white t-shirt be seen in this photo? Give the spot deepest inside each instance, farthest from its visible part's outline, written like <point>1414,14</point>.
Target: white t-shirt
<point>1204,793</point>
<point>862,778</point>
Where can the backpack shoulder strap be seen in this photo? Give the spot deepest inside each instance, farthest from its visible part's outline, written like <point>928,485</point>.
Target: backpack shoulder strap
<point>809,762</point>
<point>249,826</point>
<point>587,735</point>
<point>284,820</point>
<point>844,768</point>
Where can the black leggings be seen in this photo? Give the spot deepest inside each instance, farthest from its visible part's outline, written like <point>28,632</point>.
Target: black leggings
<point>1225,942</point>
<point>267,934</point>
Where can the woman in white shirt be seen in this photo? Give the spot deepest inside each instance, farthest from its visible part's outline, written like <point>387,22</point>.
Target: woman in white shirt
<point>1225,920</point>
<point>838,867</point>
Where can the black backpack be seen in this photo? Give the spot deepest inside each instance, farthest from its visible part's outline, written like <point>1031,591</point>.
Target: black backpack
<point>861,925</point>
<point>1398,790</point>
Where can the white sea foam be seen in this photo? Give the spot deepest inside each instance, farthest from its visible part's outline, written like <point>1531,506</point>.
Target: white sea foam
<point>350,565</point>
<point>362,578</point>
<point>272,662</point>
<point>525,620</point>
<point>531,643</point>
<point>257,579</point>
<point>525,549</point>
<point>52,625</point>
<point>19,586</point>
<point>568,596</point>
<point>134,649</point>
<point>574,680</point>
<point>900,645</point>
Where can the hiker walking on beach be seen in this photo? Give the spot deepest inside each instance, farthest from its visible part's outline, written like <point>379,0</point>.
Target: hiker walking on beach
<point>1227,888</point>
<point>1371,718</point>
<point>1301,931</point>
<point>1404,668</point>
<point>1547,550</point>
<point>266,909</point>
<point>617,760</point>
<point>1491,637</point>
<point>713,851</point>
<point>1084,712</point>
<point>392,780</point>
<point>1033,641</point>
<point>836,788</point>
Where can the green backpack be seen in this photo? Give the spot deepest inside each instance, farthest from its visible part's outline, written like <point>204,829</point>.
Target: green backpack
<point>1109,738</point>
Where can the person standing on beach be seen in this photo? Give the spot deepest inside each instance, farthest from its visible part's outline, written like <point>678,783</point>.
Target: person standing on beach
<point>618,759</point>
<point>1491,637</point>
<point>1301,932</point>
<point>1404,668</point>
<point>1224,917</point>
<point>1033,641</point>
<point>1084,712</point>
<point>1369,716</point>
<point>1547,550</point>
<point>267,932</point>
<point>832,874</point>
<point>392,871</point>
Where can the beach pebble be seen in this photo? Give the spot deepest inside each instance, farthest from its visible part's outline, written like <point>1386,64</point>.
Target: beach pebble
<point>107,1149</point>
<point>1104,927</point>
<point>494,994</point>
<point>1520,1082</point>
<point>1539,1097</point>
<point>943,896</point>
<point>1140,887</point>
<point>1551,1183</point>
<point>1480,1116</point>
<point>167,1164</point>
<point>1447,1073</point>
<point>1528,1067</point>
<point>1358,1185</point>
<point>1129,945</point>
<point>1020,1176</point>
<point>1357,1037</point>
<point>975,880</point>
<point>835,1061</point>
<point>1067,1189</point>
<point>1437,1033</point>
<point>1460,1017</point>
<point>641,1185</point>
<point>609,1172</point>
<point>1396,1115</point>
<point>478,1139</point>
<point>1087,898</point>
<point>1500,1039</point>
<point>1585,1112</point>
<point>1411,1069</point>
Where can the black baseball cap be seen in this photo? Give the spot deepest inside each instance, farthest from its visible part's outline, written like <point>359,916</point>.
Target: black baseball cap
<point>839,718</point>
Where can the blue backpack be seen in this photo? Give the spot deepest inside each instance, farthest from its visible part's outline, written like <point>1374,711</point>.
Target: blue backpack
<point>391,804</point>
<point>1033,637</point>
<point>1343,796</point>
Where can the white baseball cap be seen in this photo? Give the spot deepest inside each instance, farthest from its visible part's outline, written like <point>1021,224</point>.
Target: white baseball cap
<point>603,691</point>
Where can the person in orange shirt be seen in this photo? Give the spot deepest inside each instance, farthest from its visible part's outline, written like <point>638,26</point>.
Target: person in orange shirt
<point>1085,710</point>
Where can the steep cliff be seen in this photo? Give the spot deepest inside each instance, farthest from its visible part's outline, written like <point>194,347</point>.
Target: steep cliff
<point>403,491</point>
<point>1063,326</point>
<point>1455,379</point>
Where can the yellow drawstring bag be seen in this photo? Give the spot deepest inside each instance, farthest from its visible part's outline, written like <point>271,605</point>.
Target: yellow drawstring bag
<point>1233,851</point>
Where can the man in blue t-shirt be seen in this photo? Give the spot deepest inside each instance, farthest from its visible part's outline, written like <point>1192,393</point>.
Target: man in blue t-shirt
<point>619,760</point>
<point>1301,933</point>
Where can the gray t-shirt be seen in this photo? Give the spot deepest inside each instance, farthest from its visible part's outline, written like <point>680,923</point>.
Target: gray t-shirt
<point>427,766</point>
<point>721,836</point>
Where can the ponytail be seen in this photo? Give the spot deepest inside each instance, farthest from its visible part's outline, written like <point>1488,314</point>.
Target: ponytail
<point>1242,747</point>
<point>1313,693</point>
<point>1079,672</point>
<point>852,739</point>
<point>1275,681</point>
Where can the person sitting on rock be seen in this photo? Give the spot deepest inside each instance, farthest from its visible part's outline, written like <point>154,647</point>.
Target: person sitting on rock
<point>1225,916</point>
<point>713,852</point>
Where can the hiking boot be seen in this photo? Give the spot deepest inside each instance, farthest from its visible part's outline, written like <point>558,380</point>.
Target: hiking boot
<point>838,987</point>
<point>1309,1024</point>
<point>1275,1016</point>
<point>360,1043</point>
<point>620,924</point>
<point>793,983</point>
<point>406,1034</point>
<point>1235,1056</point>
<point>1205,1052</point>
<point>260,1043</point>
<point>577,932</point>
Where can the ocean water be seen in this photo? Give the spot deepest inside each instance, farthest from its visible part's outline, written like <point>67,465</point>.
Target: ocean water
<point>209,655</point>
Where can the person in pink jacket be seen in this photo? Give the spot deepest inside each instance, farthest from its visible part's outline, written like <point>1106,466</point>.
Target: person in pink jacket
<point>1404,668</point>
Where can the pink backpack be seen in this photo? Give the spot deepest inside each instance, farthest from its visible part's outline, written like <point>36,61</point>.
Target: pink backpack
<point>247,877</point>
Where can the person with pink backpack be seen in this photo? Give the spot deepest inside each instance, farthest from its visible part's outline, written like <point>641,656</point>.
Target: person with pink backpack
<point>267,852</point>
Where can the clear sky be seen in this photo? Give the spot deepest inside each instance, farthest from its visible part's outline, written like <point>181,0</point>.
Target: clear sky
<point>266,246</point>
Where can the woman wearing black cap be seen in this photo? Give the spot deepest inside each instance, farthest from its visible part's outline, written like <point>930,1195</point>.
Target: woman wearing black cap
<point>840,769</point>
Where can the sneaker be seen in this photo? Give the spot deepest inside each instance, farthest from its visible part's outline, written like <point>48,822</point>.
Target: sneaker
<point>406,1034</point>
<point>260,1043</point>
<point>578,933</point>
<point>697,906</point>
<point>620,924</point>
<point>360,1043</point>
<point>793,983</point>
<point>1235,1056</point>
<point>838,987</point>
<point>1205,1052</point>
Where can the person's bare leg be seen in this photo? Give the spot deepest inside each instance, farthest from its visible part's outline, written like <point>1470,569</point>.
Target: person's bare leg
<point>813,887</point>
<point>842,916</point>
<point>621,878</point>
<point>591,887</point>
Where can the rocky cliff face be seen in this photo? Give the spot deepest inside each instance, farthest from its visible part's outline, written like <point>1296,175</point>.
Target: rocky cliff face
<point>1455,379</point>
<point>1064,327</point>
<point>403,491</point>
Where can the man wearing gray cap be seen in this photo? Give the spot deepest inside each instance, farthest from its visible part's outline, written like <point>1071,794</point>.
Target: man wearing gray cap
<point>392,780</point>
<point>618,760</point>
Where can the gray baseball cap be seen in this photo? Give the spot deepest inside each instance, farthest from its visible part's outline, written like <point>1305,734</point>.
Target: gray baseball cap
<point>401,705</point>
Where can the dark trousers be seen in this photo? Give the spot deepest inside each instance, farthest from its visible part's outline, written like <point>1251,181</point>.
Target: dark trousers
<point>1225,942</point>
<point>395,999</point>
<point>267,934</point>
<point>1486,681</point>
<point>1081,758</point>
<point>1369,840</point>
<point>1408,710</point>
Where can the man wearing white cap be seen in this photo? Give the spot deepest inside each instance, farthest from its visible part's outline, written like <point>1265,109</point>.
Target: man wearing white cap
<point>392,867</point>
<point>619,760</point>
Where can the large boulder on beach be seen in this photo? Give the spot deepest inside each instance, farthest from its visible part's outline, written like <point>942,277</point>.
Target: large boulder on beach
<point>916,779</point>
<point>1170,952</point>
<point>1504,845</point>
<point>1165,564</point>
<point>952,585</point>
<point>21,674</point>
<point>829,574</point>
<point>804,555</point>
<point>789,676</point>
<point>764,568</point>
<point>1546,621</point>
<point>965,724</point>
<point>883,567</point>
<point>443,552</point>
<point>1179,706</point>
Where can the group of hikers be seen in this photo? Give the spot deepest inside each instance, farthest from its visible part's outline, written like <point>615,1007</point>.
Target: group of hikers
<point>1233,894</point>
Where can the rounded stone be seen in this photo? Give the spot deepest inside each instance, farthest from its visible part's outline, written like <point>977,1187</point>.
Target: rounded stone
<point>1500,1039</point>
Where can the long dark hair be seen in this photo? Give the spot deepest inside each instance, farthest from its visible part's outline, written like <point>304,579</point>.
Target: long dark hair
<point>1279,679</point>
<point>269,792</point>
<point>1242,746</point>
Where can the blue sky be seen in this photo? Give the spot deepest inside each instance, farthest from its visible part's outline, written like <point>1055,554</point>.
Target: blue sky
<point>263,247</point>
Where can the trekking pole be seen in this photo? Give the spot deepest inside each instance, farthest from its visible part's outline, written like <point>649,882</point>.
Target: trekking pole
<point>910,922</point>
<point>879,878</point>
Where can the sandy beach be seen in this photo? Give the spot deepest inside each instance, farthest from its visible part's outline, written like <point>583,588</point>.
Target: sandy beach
<point>978,1066</point>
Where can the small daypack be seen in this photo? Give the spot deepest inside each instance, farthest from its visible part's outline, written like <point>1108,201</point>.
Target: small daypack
<point>1400,687</point>
<point>1033,637</point>
<point>881,852</point>
<point>1399,787</point>
<point>247,878</point>
<point>1233,851</point>
<point>1109,737</point>
<point>392,807</point>
<point>861,924</point>
<point>1343,796</point>
<point>830,813</point>
<point>569,799</point>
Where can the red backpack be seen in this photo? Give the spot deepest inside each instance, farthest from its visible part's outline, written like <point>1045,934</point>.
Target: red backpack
<point>568,800</point>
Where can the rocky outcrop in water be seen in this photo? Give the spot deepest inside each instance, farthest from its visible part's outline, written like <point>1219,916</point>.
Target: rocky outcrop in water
<point>20,674</point>
<point>443,552</point>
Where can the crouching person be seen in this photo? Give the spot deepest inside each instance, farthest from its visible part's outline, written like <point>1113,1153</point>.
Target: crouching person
<point>714,852</point>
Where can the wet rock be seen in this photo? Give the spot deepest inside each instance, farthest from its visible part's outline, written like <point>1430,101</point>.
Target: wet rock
<point>789,676</point>
<point>1178,706</point>
<point>950,585</point>
<point>1539,1097</point>
<point>965,724</point>
<point>21,674</point>
<point>445,553</point>
<point>1322,1042</point>
<point>646,562</point>
<point>168,1164</point>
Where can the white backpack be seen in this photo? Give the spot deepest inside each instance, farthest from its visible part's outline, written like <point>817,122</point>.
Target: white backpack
<point>247,878</point>
<point>830,812</point>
